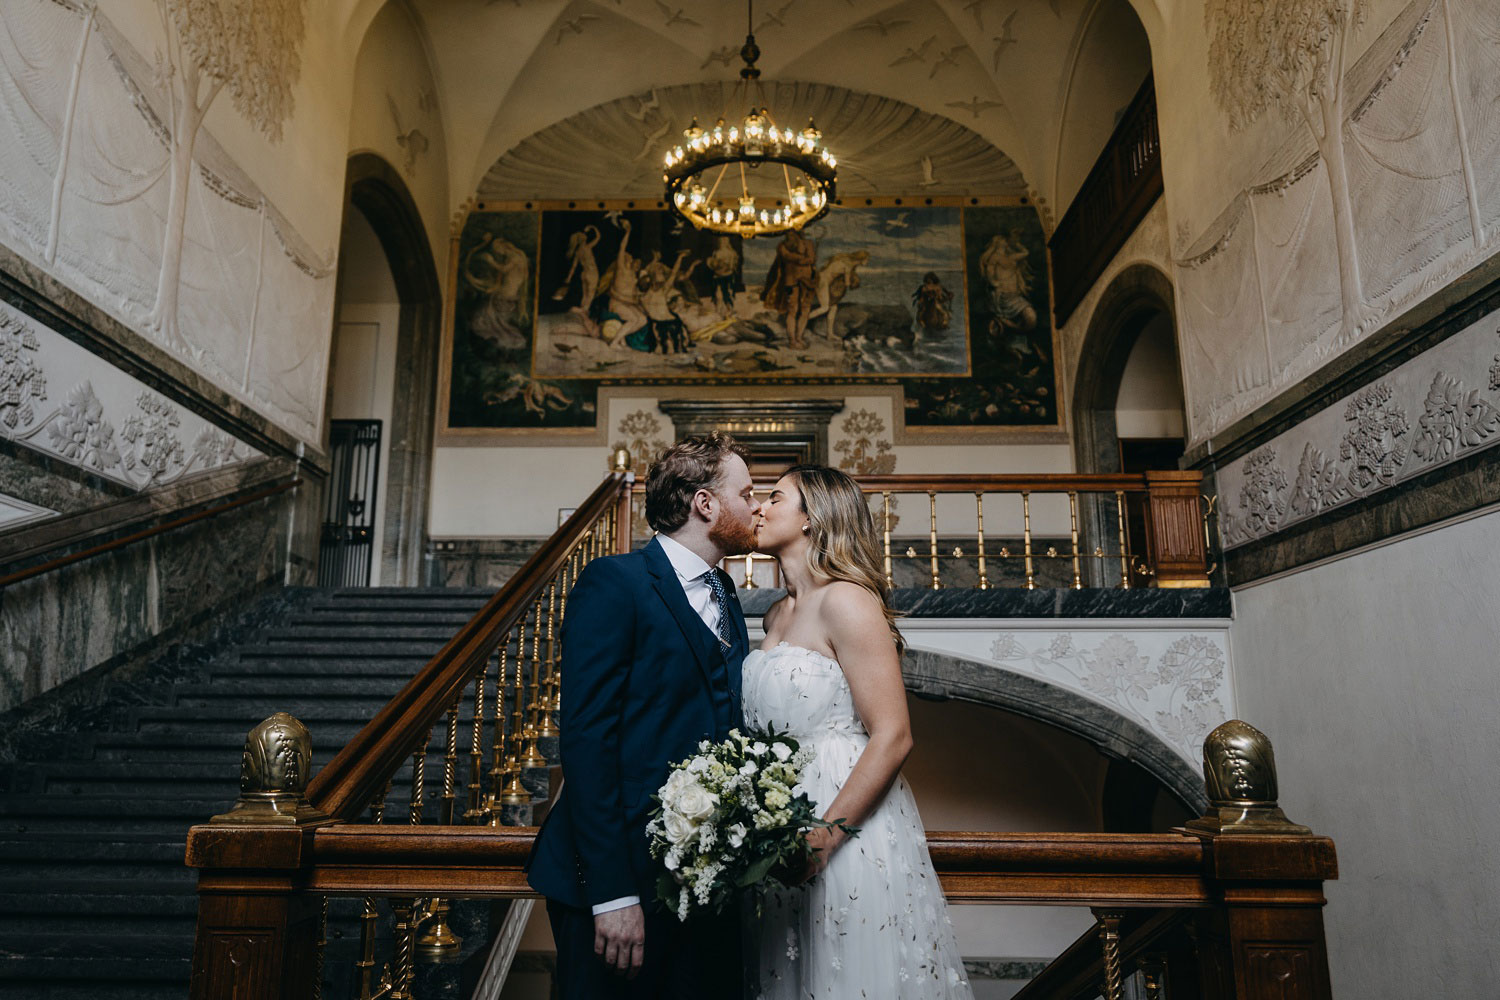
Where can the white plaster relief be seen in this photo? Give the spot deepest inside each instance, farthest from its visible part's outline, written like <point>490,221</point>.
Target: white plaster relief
<point>15,512</point>
<point>1440,406</point>
<point>1384,190</point>
<point>109,183</point>
<point>100,418</point>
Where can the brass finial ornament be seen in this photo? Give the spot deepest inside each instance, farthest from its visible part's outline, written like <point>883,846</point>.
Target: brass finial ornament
<point>620,460</point>
<point>273,776</point>
<point>1239,770</point>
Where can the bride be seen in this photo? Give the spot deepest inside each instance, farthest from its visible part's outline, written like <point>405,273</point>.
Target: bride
<point>869,919</point>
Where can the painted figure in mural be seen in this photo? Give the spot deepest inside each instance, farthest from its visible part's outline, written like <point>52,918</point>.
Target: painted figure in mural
<point>618,311</point>
<point>933,305</point>
<point>837,278</point>
<point>1005,267</point>
<point>664,330</point>
<point>723,268</point>
<point>792,285</point>
<point>581,262</point>
<point>502,271</point>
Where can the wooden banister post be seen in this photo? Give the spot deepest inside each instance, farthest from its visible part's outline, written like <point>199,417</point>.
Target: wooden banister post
<point>1174,519</point>
<point>258,929</point>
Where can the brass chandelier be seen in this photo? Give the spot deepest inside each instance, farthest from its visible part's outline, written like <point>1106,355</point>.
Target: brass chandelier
<point>768,202</point>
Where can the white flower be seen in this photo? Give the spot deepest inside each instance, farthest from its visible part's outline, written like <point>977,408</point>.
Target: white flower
<point>750,767</point>
<point>698,765</point>
<point>697,803</point>
<point>781,750</point>
<point>758,748</point>
<point>677,783</point>
<point>737,834</point>
<point>679,828</point>
<point>703,746</point>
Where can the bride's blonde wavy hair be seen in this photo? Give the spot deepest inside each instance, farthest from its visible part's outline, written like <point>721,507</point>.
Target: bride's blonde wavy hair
<point>844,545</point>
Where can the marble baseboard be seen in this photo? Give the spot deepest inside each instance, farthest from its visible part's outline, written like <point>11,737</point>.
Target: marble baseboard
<point>120,605</point>
<point>1195,603</point>
<point>46,481</point>
<point>476,562</point>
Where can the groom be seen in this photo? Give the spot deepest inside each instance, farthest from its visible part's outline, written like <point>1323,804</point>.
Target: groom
<point>652,646</point>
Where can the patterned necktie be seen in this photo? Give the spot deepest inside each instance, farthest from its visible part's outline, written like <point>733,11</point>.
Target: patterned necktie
<point>717,586</point>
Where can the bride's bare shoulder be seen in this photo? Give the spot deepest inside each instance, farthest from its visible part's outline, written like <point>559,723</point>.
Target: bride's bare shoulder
<point>848,604</point>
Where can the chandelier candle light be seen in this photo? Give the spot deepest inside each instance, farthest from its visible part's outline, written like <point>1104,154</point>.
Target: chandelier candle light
<point>806,177</point>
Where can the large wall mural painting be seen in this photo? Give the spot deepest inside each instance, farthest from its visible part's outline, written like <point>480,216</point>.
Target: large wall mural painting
<point>1382,191</point>
<point>950,303</point>
<point>110,183</point>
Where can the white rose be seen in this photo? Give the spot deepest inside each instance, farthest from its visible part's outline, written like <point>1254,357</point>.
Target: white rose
<point>677,783</point>
<point>679,828</point>
<point>758,748</point>
<point>737,834</point>
<point>749,767</point>
<point>698,765</point>
<point>697,803</point>
<point>781,750</point>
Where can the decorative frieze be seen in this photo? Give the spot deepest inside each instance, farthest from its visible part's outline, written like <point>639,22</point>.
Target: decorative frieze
<point>105,421</point>
<point>1436,408</point>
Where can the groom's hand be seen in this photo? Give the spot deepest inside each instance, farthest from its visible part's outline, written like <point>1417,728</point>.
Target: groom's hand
<point>620,939</point>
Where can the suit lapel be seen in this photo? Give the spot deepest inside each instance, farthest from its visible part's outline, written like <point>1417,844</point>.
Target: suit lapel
<point>669,588</point>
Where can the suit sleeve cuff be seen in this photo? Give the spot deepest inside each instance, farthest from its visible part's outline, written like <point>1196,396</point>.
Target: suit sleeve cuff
<point>616,904</point>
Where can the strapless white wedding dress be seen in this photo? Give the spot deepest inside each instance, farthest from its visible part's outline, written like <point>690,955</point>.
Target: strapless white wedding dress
<point>874,923</point>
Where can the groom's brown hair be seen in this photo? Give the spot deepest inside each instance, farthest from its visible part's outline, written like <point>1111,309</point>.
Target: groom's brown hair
<point>692,464</point>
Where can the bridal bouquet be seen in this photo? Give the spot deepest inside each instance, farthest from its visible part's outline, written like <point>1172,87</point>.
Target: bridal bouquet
<point>728,821</point>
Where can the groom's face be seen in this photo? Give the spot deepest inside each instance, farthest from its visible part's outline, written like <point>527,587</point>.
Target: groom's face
<point>733,528</point>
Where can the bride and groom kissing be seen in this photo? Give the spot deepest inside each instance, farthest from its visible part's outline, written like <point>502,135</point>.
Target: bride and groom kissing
<point>656,658</point>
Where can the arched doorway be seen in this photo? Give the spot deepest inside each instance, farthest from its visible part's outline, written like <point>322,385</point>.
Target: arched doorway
<point>386,355</point>
<point>1128,411</point>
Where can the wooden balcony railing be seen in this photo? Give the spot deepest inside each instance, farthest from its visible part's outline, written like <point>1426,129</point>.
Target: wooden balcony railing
<point>267,866</point>
<point>1123,184</point>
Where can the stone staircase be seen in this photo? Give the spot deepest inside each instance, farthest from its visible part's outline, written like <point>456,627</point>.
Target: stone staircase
<point>94,898</point>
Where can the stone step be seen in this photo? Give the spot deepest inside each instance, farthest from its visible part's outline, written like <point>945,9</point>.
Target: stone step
<point>342,649</point>
<point>269,663</point>
<point>436,617</point>
<point>335,631</point>
<point>337,687</point>
<point>90,856</point>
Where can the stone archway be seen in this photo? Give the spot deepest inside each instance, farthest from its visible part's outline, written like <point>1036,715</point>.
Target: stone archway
<point>941,675</point>
<point>376,190</point>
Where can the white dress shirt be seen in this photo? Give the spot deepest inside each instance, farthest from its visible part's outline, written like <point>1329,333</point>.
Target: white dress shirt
<point>692,573</point>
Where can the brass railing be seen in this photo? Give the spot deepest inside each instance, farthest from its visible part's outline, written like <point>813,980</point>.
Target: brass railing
<point>1034,545</point>
<point>1123,184</point>
<point>481,715</point>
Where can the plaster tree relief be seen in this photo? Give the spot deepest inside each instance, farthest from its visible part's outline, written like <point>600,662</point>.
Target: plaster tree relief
<point>1174,685</point>
<point>864,449</point>
<point>1378,188</point>
<point>1414,419</point>
<point>108,422</point>
<point>109,182</point>
<point>640,433</point>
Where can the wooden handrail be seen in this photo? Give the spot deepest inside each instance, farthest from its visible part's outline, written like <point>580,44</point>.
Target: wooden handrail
<point>132,538</point>
<point>349,781</point>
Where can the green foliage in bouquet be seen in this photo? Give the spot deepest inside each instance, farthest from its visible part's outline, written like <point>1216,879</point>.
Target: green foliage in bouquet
<point>728,822</point>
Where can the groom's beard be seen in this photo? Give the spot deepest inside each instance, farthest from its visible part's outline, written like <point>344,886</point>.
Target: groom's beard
<point>733,538</point>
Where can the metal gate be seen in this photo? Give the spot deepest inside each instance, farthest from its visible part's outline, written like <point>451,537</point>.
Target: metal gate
<point>348,540</point>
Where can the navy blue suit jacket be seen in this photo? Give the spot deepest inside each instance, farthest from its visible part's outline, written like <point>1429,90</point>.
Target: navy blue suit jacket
<point>642,683</point>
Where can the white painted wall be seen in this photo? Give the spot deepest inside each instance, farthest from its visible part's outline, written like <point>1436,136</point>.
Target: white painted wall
<point>1111,61</point>
<point>1375,677</point>
<point>364,368</point>
<point>1150,401</point>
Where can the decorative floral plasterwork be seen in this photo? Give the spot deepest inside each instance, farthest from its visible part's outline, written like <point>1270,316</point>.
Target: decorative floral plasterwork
<point>1175,685</point>
<point>640,433</point>
<point>155,448</point>
<point>1415,418</point>
<point>864,449</point>
<point>21,378</point>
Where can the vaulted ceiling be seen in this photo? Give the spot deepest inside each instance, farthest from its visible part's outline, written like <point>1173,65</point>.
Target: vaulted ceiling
<point>538,95</point>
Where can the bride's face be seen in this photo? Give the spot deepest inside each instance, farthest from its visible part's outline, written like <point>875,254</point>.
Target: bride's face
<point>781,519</point>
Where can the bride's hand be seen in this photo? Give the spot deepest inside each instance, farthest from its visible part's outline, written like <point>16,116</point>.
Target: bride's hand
<point>824,841</point>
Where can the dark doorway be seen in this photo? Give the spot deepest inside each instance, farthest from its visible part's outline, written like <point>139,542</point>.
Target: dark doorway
<point>348,536</point>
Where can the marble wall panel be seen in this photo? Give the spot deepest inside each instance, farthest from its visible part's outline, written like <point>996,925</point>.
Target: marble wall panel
<point>53,483</point>
<point>1435,409</point>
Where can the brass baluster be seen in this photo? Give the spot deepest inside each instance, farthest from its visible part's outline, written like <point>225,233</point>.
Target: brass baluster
<point>1026,538</point>
<point>984,580</point>
<point>531,755</point>
<point>402,910</point>
<point>507,792</point>
<point>937,583</point>
<point>438,943</point>
<point>749,583</point>
<point>1109,937</point>
<point>545,726</point>
<point>475,812</point>
<point>450,766</point>
<point>1073,513</point>
<point>368,918</point>
<point>890,580</point>
<point>377,808</point>
<point>535,706</point>
<point>322,946</point>
<point>418,778</point>
<point>554,684</point>
<point>1124,542</point>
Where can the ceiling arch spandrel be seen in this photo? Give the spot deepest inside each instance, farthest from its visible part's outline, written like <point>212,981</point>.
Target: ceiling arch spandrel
<point>885,147</point>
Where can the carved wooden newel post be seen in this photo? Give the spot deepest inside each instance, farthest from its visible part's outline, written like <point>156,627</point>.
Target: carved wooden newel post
<point>258,931</point>
<point>1266,942</point>
<point>1175,525</point>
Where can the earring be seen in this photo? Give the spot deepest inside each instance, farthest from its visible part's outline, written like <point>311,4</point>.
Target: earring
<point>806,528</point>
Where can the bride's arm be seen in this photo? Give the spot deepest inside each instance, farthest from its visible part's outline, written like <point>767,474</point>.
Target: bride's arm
<point>862,643</point>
